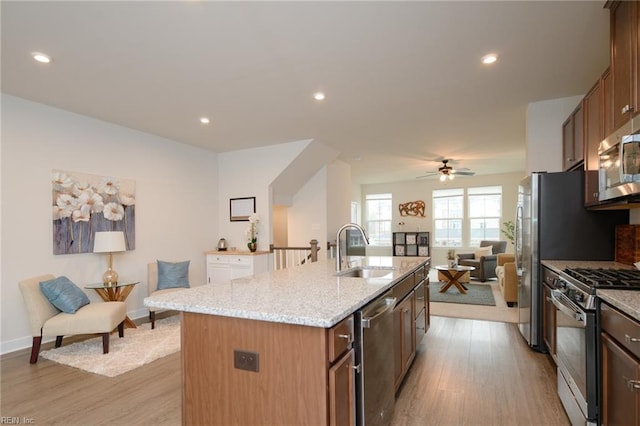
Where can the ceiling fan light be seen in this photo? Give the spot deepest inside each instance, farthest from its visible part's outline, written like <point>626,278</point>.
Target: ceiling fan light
<point>443,178</point>
<point>451,177</point>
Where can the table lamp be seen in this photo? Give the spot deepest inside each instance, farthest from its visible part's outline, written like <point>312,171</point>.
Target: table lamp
<point>109,242</point>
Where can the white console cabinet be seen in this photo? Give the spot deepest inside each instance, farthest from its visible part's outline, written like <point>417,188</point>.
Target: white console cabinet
<point>224,266</point>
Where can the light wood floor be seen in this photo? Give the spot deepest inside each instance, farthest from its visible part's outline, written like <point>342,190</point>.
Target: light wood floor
<point>467,372</point>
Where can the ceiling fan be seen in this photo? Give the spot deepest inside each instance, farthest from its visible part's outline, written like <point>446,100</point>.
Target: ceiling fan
<point>447,172</point>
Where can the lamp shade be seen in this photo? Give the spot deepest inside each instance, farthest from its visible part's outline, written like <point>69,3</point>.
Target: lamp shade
<point>109,242</point>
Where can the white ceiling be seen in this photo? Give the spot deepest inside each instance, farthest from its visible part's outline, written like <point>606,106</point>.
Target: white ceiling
<point>404,81</point>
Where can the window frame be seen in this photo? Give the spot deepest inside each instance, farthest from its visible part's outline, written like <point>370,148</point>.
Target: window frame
<point>374,239</point>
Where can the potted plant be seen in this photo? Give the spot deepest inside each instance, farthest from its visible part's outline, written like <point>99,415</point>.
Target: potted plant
<point>252,232</point>
<point>508,229</point>
<point>451,257</point>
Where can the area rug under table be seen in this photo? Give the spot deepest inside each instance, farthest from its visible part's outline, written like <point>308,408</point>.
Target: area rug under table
<point>477,294</point>
<point>139,346</point>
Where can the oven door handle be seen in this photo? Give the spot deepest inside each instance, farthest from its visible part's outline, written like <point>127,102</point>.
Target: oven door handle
<point>558,300</point>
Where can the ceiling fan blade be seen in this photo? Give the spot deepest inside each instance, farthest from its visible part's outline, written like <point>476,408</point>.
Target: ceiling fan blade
<point>463,173</point>
<point>427,175</point>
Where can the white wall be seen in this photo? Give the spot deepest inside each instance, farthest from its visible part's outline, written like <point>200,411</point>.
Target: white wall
<point>249,173</point>
<point>338,198</point>
<point>544,133</point>
<point>306,217</point>
<point>403,192</point>
<point>176,202</point>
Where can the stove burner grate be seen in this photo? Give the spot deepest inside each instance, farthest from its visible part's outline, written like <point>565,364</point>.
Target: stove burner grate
<point>628,279</point>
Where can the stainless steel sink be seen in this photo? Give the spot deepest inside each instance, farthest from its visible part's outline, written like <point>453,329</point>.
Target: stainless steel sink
<point>366,272</point>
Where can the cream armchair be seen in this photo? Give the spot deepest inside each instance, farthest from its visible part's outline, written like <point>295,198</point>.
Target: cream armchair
<point>47,320</point>
<point>507,278</point>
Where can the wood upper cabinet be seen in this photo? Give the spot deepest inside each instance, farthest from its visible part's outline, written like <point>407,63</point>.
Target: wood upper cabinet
<point>593,134</point>
<point>607,103</point>
<point>623,60</point>
<point>572,139</point>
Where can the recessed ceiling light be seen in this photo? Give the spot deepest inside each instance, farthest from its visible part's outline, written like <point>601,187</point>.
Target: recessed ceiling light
<point>204,120</point>
<point>490,58</point>
<point>41,57</point>
<point>318,96</point>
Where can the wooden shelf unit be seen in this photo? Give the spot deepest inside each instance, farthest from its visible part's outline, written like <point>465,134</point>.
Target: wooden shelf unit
<point>411,244</point>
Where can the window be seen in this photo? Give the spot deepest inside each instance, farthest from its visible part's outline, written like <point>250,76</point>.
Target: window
<point>447,217</point>
<point>455,226</point>
<point>355,212</point>
<point>485,212</point>
<point>378,213</point>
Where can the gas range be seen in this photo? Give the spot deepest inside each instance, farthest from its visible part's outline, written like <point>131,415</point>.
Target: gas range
<point>580,284</point>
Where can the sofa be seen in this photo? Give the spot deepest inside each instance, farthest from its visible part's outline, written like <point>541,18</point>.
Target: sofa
<point>484,259</point>
<point>507,278</point>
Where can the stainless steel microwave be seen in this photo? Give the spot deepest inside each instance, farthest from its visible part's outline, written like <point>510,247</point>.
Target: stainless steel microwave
<point>619,167</point>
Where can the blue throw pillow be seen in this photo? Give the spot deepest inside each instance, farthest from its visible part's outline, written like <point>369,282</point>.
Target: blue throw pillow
<point>173,274</point>
<point>64,295</point>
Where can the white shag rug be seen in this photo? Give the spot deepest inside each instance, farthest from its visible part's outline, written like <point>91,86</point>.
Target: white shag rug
<point>139,346</point>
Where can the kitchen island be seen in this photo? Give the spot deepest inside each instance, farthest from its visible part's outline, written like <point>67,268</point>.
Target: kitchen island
<point>275,348</point>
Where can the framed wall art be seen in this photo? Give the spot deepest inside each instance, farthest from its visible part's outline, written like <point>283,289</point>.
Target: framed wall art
<point>241,208</point>
<point>83,204</point>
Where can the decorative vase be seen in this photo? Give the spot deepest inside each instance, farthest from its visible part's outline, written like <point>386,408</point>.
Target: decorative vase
<point>452,263</point>
<point>252,247</point>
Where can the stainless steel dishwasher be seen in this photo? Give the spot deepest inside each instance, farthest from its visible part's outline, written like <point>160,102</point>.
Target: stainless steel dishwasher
<point>375,397</point>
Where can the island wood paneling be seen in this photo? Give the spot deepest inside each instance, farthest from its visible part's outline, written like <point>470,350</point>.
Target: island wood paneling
<point>289,389</point>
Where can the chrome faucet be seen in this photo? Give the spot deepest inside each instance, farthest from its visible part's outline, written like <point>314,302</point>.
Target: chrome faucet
<point>342,228</point>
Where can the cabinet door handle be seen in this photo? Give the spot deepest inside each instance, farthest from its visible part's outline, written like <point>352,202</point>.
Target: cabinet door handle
<point>346,336</point>
<point>632,384</point>
<point>630,339</point>
<point>626,109</point>
<point>357,368</point>
<point>569,159</point>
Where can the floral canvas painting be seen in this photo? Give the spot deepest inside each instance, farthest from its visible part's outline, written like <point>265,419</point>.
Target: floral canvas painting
<point>83,204</point>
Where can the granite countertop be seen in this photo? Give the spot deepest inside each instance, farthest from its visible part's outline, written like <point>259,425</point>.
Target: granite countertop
<point>627,301</point>
<point>305,295</point>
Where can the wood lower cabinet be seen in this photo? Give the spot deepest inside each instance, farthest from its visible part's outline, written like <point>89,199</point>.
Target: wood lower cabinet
<point>411,320</point>
<point>297,381</point>
<point>420,309</point>
<point>621,385</point>
<point>341,391</point>
<point>620,367</point>
<point>404,337</point>
<point>549,322</point>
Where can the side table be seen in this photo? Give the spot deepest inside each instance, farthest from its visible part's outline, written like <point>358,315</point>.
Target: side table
<point>115,293</point>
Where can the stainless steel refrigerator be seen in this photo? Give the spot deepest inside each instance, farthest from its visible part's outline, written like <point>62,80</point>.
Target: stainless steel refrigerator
<point>552,224</point>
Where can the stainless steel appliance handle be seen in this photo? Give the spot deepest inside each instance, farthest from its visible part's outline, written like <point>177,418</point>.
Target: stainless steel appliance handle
<point>377,310</point>
<point>559,301</point>
<point>518,230</point>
